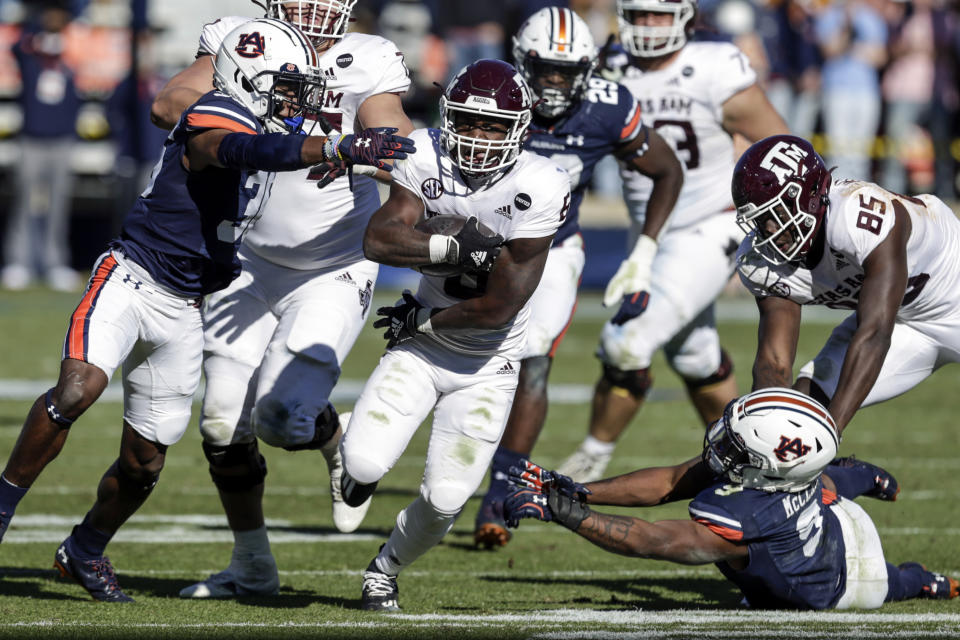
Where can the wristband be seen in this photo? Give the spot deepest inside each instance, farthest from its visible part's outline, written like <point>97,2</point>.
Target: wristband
<point>644,251</point>
<point>423,320</point>
<point>331,148</point>
<point>439,248</point>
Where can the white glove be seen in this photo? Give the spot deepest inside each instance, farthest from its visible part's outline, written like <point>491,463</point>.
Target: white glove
<point>634,273</point>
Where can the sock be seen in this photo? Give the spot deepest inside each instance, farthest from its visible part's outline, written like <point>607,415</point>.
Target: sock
<point>253,542</point>
<point>90,542</point>
<point>905,583</point>
<point>10,496</point>
<point>503,459</point>
<point>596,447</point>
<point>851,481</point>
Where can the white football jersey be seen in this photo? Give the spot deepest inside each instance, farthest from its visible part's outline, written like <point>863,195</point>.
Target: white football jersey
<point>530,201</point>
<point>684,103</point>
<point>303,227</point>
<point>860,217</point>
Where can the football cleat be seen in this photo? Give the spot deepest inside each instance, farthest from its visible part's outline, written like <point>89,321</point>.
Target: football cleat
<point>490,530</point>
<point>380,591</point>
<point>345,518</point>
<point>885,487</point>
<point>936,586</point>
<point>585,467</point>
<point>96,575</point>
<point>254,576</point>
<point>4,523</point>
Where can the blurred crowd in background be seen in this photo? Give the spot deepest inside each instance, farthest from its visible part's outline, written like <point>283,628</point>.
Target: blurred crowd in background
<point>873,83</point>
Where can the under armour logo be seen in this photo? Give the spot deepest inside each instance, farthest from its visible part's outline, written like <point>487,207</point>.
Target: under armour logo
<point>362,142</point>
<point>575,141</point>
<point>540,500</point>
<point>136,283</point>
<point>478,257</point>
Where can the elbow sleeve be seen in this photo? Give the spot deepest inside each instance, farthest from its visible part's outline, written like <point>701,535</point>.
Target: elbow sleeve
<point>265,152</point>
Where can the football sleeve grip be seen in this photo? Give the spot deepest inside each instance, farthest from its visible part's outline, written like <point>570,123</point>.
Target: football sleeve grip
<point>264,152</point>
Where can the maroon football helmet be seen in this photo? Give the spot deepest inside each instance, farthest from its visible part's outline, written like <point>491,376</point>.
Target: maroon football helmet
<point>780,188</point>
<point>491,92</point>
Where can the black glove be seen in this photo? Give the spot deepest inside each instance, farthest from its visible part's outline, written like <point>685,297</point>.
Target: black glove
<point>547,506</point>
<point>567,510</point>
<point>474,250</point>
<point>326,172</point>
<point>400,321</point>
<point>372,146</point>
<point>633,305</point>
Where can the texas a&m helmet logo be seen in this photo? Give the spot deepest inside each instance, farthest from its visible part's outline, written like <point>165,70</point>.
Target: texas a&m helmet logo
<point>785,160</point>
<point>793,446</point>
<point>251,45</point>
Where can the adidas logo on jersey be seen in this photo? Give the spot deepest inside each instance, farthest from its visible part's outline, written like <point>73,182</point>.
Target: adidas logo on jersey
<point>839,260</point>
<point>345,277</point>
<point>505,211</point>
<point>507,369</point>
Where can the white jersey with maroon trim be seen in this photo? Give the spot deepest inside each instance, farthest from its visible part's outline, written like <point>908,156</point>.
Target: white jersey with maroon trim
<point>860,217</point>
<point>303,227</point>
<point>530,201</point>
<point>684,103</point>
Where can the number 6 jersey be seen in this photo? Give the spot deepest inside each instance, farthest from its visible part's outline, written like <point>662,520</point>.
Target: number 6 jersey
<point>860,217</point>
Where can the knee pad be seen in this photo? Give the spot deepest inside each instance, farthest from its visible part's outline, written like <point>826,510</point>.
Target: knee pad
<point>324,428</point>
<point>247,468</point>
<point>724,371</point>
<point>289,427</point>
<point>140,480</point>
<point>53,413</point>
<point>446,500</point>
<point>362,469</point>
<point>636,382</point>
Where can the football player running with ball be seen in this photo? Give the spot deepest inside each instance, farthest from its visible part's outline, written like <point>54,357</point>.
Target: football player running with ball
<point>178,244</point>
<point>696,95</point>
<point>769,506</point>
<point>577,120</point>
<point>275,340</point>
<point>893,260</point>
<point>455,346</point>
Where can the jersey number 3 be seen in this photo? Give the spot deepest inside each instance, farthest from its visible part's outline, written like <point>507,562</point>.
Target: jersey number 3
<point>688,141</point>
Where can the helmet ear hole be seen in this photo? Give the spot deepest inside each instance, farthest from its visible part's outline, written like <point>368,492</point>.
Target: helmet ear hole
<point>246,84</point>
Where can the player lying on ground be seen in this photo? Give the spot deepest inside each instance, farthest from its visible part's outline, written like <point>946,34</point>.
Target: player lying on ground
<point>770,506</point>
<point>845,244</point>
<point>178,244</point>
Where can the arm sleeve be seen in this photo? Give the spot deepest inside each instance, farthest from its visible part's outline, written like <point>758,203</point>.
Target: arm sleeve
<point>629,123</point>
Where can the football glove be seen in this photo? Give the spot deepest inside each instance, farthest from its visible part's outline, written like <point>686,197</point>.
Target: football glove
<point>550,505</point>
<point>326,172</point>
<point>530,475</point>
<point>633,276</point>
<point>633,305</point>
<point>371,146</point>
<point>472,249</point>
<point>612,60</point>
<point>403,321</point>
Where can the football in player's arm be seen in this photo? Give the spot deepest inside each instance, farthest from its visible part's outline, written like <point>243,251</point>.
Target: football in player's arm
<point>757,501</point>
<point>847,245</point>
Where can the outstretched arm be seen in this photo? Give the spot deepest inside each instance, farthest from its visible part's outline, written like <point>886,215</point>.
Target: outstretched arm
<point>181,91</point>
<point>777,337</point>
<point>652,486</point>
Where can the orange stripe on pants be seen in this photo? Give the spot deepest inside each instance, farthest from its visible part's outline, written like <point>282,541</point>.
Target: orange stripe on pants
<point>76,334</point>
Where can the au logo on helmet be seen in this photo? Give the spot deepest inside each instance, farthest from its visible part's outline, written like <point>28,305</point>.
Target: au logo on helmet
<point>791,445</point>
<point>785,160</point>
<point>251,45</point>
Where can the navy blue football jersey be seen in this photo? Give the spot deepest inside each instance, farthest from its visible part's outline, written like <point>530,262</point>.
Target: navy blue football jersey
<point>606,117</point>
<point>797,554</point>
<point>186,226</point>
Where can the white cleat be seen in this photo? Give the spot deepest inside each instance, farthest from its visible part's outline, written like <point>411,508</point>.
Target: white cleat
<point>259,577</point>
<point>585,467</point>
<point>345,518</point>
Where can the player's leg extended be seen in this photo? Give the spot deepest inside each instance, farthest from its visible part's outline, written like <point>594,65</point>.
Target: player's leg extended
<point>704,366</point>
<point>320,321</point>
<point>238,324</point>
<point>93,348</point>
<point>551,310</point>
<point>467,424</point>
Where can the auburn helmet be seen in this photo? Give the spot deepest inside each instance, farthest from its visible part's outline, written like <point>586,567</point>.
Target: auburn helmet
<point>318,19</point>
<point>556,55</point>
<point>265,64</point>
<point>646,41</point>
<point>781,190</point>
<point>485,92</point>
<point>774,439</point>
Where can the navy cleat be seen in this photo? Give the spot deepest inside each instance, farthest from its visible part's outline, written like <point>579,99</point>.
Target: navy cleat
<point>936,585</point>
<point>885,486</point>
<point>490,529</point>
<point>96,575</point>
<point>380,591</point>
<point>4,523</point>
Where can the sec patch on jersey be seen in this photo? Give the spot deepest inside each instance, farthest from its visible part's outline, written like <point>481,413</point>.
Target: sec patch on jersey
<point>447,224</point>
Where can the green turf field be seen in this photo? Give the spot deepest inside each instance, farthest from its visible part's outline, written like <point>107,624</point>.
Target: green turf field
<point>548,583</point>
